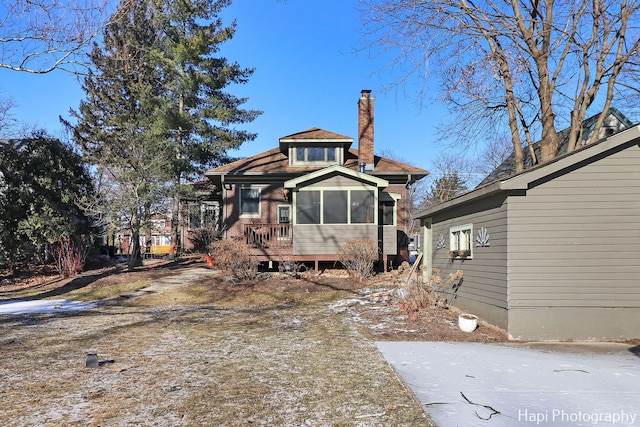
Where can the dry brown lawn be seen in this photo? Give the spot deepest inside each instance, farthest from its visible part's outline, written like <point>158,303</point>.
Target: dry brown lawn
<point>180,344</point>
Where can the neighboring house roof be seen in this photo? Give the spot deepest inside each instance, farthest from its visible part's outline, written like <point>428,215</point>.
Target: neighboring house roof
<point>539,173</point>
<point>615,121</point>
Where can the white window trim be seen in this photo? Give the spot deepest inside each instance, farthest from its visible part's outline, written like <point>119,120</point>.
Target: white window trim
<point>293,161</point>
<point>250,215</point>
<point>285,205</point>
<point>453,247</point>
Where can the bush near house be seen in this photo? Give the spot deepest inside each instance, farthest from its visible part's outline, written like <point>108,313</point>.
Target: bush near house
<point>203,239</point>
<point>358,257</point>
<point>234,256</point>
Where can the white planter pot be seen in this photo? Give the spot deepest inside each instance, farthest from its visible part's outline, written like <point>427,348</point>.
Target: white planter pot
<point>467,322</point>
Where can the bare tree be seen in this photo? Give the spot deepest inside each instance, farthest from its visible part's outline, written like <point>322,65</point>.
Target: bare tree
<point>39,36</point>
<point>494,153</point>
<point>123,203</point>
<point>523,64</point>
<point>450,178</point>
<point>7,121</point>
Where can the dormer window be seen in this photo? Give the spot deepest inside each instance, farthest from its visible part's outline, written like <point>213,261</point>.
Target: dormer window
<point>315,147</point>
<point>314,155</point>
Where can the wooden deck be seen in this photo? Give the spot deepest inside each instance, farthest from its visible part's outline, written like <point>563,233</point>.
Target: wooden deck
<point>274,243</point>
<point>269,236</point>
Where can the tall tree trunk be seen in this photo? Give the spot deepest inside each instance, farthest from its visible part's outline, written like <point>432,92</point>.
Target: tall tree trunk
<point>549,142</point>
<point>135,259</point>
<point>175,215</point>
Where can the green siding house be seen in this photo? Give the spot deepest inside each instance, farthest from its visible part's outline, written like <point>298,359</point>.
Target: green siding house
<point>551,253</point>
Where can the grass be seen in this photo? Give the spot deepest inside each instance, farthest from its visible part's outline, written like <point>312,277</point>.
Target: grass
<point>101,293</point>
<point>203,354</point>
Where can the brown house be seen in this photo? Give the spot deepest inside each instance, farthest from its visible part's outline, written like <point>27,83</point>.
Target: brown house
<point>550,253</point>
<point>302,200</point>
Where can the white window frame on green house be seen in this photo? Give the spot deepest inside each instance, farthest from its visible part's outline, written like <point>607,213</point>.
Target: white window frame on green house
<point>329,195</point>
<point>242,204</point>
<point>461,241</point>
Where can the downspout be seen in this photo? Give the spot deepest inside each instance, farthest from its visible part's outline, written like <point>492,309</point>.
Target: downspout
<point>409,222</point>
<point>223,223</point>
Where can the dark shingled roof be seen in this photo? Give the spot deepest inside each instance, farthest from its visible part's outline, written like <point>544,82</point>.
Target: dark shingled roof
<point>316,133</point>
<point>615,121</point>
<point>276,160</point>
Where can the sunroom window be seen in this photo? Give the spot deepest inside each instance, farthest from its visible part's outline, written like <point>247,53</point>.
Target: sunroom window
<point>335,207</point>
<point>308,207</point>
<point>386,213</point>
<point>362,207</point>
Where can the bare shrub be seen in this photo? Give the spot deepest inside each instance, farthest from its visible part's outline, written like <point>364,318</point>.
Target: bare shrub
<point>235,256</point>
<point>358,257</point>
<point>202,239</point>
<point>70,254</point>
<point>292,268</point>
<point>443,289</point>
<point>436,292</point>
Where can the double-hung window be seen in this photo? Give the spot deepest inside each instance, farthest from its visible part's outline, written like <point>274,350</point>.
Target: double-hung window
<point>460,238</point>
<point>249,201</point>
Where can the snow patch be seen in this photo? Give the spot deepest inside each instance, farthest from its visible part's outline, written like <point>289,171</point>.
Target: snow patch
<point>43,306</point>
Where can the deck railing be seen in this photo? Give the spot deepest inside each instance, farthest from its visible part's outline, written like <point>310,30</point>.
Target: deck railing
<point>265,236</point>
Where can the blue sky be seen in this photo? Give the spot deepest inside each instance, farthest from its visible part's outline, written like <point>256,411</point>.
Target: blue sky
<point>309,72</point>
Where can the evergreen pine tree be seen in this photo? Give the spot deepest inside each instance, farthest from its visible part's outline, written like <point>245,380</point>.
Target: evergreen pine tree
<point>198,115</point>
<point>116,122</point>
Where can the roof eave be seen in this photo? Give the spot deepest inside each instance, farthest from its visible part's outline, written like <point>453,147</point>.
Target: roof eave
<point>523,181</point>
<point>478,193</point>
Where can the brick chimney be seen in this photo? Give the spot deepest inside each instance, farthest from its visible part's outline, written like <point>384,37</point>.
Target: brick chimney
<point>365,131</point>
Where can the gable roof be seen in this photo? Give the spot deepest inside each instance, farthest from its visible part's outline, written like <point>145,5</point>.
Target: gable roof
<point>314,136</point>
<point>336,170</point>
<point>615,120</point>
<point>539,173</point>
